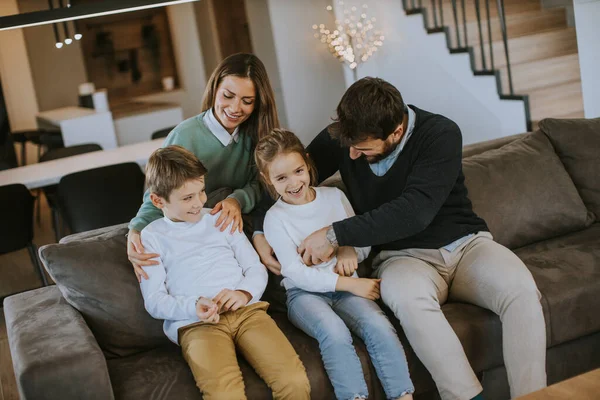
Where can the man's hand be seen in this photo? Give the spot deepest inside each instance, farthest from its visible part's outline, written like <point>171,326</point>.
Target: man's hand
<point>231,300</point>
<point>316,249</point>
<point>363,287</point>
<point>347,261</point>
<point>207,310</point>
<point>137,256</point>
<point>231,213</point>
<point>266,254</point>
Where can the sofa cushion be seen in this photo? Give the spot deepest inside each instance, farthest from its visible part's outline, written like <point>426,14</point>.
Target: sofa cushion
<point>95,277</point>
<point>577,143</point>
<point>567,273</point>
<point>523,192</point>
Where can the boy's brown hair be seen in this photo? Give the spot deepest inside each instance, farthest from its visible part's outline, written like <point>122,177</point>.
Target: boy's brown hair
<point>170,168</point>
<point>270,146</point>
<point>371,108</point>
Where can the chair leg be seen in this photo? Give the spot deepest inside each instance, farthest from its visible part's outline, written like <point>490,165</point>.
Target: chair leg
<point>23,154</point>
<point>38,207</point>
<point>56,222</point>
<point>36,262</point>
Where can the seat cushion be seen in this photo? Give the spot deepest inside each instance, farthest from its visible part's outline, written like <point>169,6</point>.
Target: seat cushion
<point>577,143</point>
<point>524,193</point>
<point>567,273</point>
<point>95,277</point>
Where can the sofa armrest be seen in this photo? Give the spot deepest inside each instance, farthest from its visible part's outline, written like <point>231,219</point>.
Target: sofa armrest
<point>54,353</point>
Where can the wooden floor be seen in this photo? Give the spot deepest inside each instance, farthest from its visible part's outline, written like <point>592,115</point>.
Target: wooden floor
<point>17,274</point>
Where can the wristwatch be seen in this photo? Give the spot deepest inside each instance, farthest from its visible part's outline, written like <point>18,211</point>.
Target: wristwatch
<point>330,235</point>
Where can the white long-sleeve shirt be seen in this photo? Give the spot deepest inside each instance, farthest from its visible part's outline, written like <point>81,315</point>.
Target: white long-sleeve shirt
<point>196,259</point>
<point>287,225</point>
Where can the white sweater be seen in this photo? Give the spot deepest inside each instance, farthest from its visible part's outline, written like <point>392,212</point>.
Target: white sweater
<point>287,225</point>
<point>196,259</point>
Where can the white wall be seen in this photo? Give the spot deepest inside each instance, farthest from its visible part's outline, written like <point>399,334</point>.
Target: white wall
<point>417,63</point>
<point>587,15</point>
<point>312,81</point>
<point>263,45</point>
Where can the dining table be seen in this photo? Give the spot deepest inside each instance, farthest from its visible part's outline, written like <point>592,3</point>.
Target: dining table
<point>48,173</point>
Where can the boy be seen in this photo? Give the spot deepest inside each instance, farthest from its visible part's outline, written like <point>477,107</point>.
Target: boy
<point>207,288</point>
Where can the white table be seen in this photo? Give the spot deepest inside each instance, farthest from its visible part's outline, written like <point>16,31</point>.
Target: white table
<point>49,173</point>
<point>81,125</point>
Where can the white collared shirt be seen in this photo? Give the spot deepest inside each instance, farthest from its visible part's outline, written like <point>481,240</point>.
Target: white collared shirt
<point>213,125</point>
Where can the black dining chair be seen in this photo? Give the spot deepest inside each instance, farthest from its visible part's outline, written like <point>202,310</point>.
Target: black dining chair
<point>17,224</point>
<point>51,191</point>
<point>41,137</point>
<point>100,197</point>
<point>162,133</point>
<point>8,156</point>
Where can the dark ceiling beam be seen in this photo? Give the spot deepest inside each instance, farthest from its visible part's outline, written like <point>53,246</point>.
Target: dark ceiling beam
<point>94,9</point>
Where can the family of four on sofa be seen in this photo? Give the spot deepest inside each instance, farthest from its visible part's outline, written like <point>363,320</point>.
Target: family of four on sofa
<point>402,169</point>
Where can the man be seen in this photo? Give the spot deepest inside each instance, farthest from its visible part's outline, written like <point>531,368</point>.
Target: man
<point>403,173</point>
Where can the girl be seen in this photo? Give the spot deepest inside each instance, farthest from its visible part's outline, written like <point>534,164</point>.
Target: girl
<point>238,106</point>
<point>328,300</point>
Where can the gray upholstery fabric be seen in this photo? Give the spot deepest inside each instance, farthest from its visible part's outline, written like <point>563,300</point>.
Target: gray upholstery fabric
<point>55,356</point>
<point>95,277</point>
<point>567,273</point>
<point>480,147</point>
<point>524,193</point>
<point>577,143</point>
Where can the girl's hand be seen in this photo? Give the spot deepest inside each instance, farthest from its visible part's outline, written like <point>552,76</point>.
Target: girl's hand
<point>231,300</point>
<point>207,310</point>
<point>347,261</point>
<point>266,253</point>
<point>364,287</point>
<point>137,256</point>
<point>231,212</point>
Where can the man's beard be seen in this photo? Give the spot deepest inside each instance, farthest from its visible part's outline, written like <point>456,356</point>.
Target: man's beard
<point>388,148</point>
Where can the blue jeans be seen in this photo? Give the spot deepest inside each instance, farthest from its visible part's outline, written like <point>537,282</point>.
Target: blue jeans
<point>329,318</point>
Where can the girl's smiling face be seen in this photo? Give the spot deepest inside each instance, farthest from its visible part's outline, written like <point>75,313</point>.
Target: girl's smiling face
<point>290,176</point>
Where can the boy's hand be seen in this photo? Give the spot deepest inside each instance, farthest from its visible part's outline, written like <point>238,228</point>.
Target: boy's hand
<point>365,287</point>
<point>347,261</point>
<point>231,213</point>
<point>207,310</point>
<point>231,300</point>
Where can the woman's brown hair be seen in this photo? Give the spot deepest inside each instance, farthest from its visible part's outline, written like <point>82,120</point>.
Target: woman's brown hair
<point>264,117</point>
<point>280,141</point>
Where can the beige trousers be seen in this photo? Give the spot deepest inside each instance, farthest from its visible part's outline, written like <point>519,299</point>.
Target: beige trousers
<point>416,282</point>
<point>210,351</point>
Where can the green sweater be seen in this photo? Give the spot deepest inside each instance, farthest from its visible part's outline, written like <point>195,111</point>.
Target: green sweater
<point>229,166</point>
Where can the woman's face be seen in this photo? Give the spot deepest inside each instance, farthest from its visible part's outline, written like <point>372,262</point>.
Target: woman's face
<point>234,101</point>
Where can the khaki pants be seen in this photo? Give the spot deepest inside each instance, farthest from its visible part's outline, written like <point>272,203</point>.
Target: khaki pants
<point>416,282</point>
<point>210,351</point>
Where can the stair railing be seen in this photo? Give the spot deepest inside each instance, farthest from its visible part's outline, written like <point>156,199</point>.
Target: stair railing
<point>433,17</point>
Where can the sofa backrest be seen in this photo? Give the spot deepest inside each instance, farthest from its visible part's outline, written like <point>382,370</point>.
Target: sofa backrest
<point>523,190</point>
<point>95,277</point>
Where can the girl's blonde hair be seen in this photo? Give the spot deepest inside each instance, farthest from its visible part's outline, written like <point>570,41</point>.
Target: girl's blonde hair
<point>280,141</point>
<point>264,117</point>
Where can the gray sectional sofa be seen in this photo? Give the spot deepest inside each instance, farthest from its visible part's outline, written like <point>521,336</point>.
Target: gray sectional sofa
<point>89,336</point>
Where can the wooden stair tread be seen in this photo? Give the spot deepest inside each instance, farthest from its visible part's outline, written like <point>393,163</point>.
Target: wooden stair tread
<point>556,100</point>
<point>543,73</point>
<point>517,25</point>
<point>539,46</point>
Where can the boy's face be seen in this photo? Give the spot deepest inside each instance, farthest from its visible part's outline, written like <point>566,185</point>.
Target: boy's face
<point>184,203</point>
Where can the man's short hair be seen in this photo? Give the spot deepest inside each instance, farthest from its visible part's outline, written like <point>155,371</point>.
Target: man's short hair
<point>370,109</point>
<point>169,168</point>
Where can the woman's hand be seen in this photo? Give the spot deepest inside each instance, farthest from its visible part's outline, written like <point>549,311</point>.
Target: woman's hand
<point>266,253</point>
<point>347,261</point>
<point>137,256</point>
<point>231,212</point>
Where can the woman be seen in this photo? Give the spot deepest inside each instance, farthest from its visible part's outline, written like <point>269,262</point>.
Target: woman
<point>238,107</point>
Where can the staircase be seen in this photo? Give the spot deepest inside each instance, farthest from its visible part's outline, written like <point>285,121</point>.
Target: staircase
<point>542,49</point>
